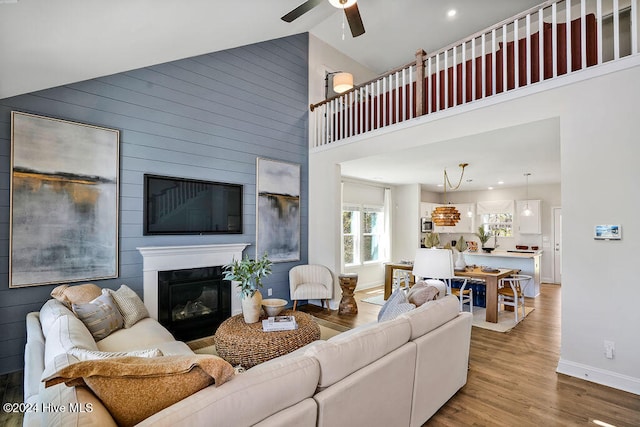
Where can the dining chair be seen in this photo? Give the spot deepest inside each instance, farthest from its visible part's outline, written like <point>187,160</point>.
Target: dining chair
<point>511,292</point>
<point>438,264</point>
<point>401,279</point>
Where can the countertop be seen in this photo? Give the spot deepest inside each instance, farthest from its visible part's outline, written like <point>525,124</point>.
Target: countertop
<point>505,254</point>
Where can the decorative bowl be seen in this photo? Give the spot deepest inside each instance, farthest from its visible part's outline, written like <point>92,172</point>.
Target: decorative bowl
<point>488,250</point>
<point>273,306</point>
<point>535,248</point>
<point>522,247</point>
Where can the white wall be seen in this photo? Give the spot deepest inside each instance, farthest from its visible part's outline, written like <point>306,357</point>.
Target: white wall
<point>598,129</point>
<point>324,188</point>
<point>406,222</point>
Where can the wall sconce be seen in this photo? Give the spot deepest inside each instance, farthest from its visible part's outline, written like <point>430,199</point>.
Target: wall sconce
<point>342,82</point>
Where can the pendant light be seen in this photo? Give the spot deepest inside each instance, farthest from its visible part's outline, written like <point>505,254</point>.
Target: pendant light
<point>526,211</point>
<point>448,215</point>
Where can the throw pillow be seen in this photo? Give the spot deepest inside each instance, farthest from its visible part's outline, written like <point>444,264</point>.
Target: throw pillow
<point>129,386</point>
<point>422,294</point>
<point>84,354</point>
<point>78,294</point>
<point>131,306</point>
<point>395,306</point>
<point>101,316</point>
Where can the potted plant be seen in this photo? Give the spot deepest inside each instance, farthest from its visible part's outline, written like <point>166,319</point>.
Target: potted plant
<point>248,273</point>
<point>484,237</point>
<point>461,246</point>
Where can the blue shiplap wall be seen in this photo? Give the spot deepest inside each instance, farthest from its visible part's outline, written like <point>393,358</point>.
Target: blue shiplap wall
<point>207,117</point>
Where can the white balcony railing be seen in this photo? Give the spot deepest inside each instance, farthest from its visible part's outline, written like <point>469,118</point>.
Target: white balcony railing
<point>485,64</point>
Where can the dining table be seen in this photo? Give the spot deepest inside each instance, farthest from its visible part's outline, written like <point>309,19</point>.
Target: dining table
<point>491,279</point>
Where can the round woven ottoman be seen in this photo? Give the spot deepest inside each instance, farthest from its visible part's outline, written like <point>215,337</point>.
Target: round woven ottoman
<point>248,345</point>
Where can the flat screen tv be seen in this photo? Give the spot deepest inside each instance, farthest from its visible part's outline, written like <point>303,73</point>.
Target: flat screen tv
<point>191,206</point>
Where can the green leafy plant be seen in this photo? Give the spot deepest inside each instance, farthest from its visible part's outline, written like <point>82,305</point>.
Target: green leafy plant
<point>431,240</point>
<point>461,244</point>
<point>483,236</point>
<point>249,273</point>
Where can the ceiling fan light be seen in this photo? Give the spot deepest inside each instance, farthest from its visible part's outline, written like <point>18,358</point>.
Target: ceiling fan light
<point>342,82</point>
<point>342,4</point>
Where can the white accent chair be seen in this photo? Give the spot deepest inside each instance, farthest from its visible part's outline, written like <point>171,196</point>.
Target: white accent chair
<point>511,292</point>
<point>310,281</point>
<point>436,265</point>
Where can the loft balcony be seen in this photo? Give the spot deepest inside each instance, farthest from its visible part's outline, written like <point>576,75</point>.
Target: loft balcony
<point>529,49</point>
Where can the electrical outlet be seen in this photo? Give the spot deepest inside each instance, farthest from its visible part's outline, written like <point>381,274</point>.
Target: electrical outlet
<point>269,292</point>
<point>609,347</point>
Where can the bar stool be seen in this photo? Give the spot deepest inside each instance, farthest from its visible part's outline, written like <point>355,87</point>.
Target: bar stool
<point>511,292</point>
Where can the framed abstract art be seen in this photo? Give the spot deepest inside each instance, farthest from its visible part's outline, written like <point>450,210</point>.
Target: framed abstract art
<point>64,201</point>
<point>278,210</point>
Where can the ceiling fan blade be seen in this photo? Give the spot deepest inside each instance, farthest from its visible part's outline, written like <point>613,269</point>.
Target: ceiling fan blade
<point>301,10</point>
<point>354,20</point>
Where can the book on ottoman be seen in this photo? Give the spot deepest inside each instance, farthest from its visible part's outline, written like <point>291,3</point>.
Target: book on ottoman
<point>279,323</point>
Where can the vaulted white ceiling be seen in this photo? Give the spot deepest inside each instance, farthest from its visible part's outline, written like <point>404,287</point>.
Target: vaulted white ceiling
<point>45,43</point>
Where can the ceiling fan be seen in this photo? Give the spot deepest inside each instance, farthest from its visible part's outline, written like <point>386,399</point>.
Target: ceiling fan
<point>350,10</point>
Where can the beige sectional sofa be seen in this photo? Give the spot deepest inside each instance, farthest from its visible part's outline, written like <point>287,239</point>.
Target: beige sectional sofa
<point>380,374</point>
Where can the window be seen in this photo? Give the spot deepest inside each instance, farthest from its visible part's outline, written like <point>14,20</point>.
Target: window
<point>350,234</point>
<point>498,224</point>
<point>363,234</point>
<point>496,216</point>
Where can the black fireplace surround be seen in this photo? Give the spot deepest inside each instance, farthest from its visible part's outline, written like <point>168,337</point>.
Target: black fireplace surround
<point>193,302</point>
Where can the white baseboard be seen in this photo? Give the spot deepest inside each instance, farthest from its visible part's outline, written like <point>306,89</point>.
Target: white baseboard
<point>599,376</point>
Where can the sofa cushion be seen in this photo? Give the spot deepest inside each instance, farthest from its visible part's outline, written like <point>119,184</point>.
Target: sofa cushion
<point>350,351</point>
<point>50,311</point>
<point>395,306</point>
<point>83,354</point>
<point>147,333</point>
<point>128,386</point>
<point>101,316</point>
<point>247,399</point>
<point>131,306</point>
<point>77,294</point>
<point>66,333</point>
<point>431,315</point>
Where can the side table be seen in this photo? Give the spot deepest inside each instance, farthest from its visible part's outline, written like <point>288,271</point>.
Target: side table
<point>348,283</point>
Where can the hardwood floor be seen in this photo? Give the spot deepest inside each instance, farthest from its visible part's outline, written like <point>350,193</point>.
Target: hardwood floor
<point>512,379</point>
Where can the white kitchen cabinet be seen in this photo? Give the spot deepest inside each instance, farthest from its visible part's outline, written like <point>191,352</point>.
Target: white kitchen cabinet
<point>529,224</point>
<point>426,208</point>
<point>466,223</point>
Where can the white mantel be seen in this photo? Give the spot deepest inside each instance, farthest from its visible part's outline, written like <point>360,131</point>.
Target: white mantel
<point>163,258</point>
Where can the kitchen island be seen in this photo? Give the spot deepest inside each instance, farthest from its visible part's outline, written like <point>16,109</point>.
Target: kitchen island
<point>528,262</point>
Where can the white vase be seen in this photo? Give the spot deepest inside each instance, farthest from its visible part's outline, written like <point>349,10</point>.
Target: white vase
<point>251,307</point>
<point>460,264</point>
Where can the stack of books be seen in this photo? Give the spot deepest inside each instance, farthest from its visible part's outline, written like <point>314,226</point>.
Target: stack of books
<point>279,323</point>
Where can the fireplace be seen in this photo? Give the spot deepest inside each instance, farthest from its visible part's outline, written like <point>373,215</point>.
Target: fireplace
<point>156,259</point>
<point>193,302</point>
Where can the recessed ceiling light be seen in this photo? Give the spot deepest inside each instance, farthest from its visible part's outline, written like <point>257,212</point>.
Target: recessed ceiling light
<point>451,13</point>
<point>500,182</point>
<point>440,185</point>
<point>490,188</point>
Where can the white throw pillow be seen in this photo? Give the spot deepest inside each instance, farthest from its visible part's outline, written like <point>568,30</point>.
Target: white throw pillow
<point>131,306</point>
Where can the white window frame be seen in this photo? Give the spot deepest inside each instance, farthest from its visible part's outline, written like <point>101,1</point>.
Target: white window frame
<point>359,238</point>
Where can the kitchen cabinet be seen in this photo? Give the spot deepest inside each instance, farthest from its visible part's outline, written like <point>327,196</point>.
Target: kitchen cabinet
<point>466,223</point>
<point>426,208</point>
<point>529,224</point>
